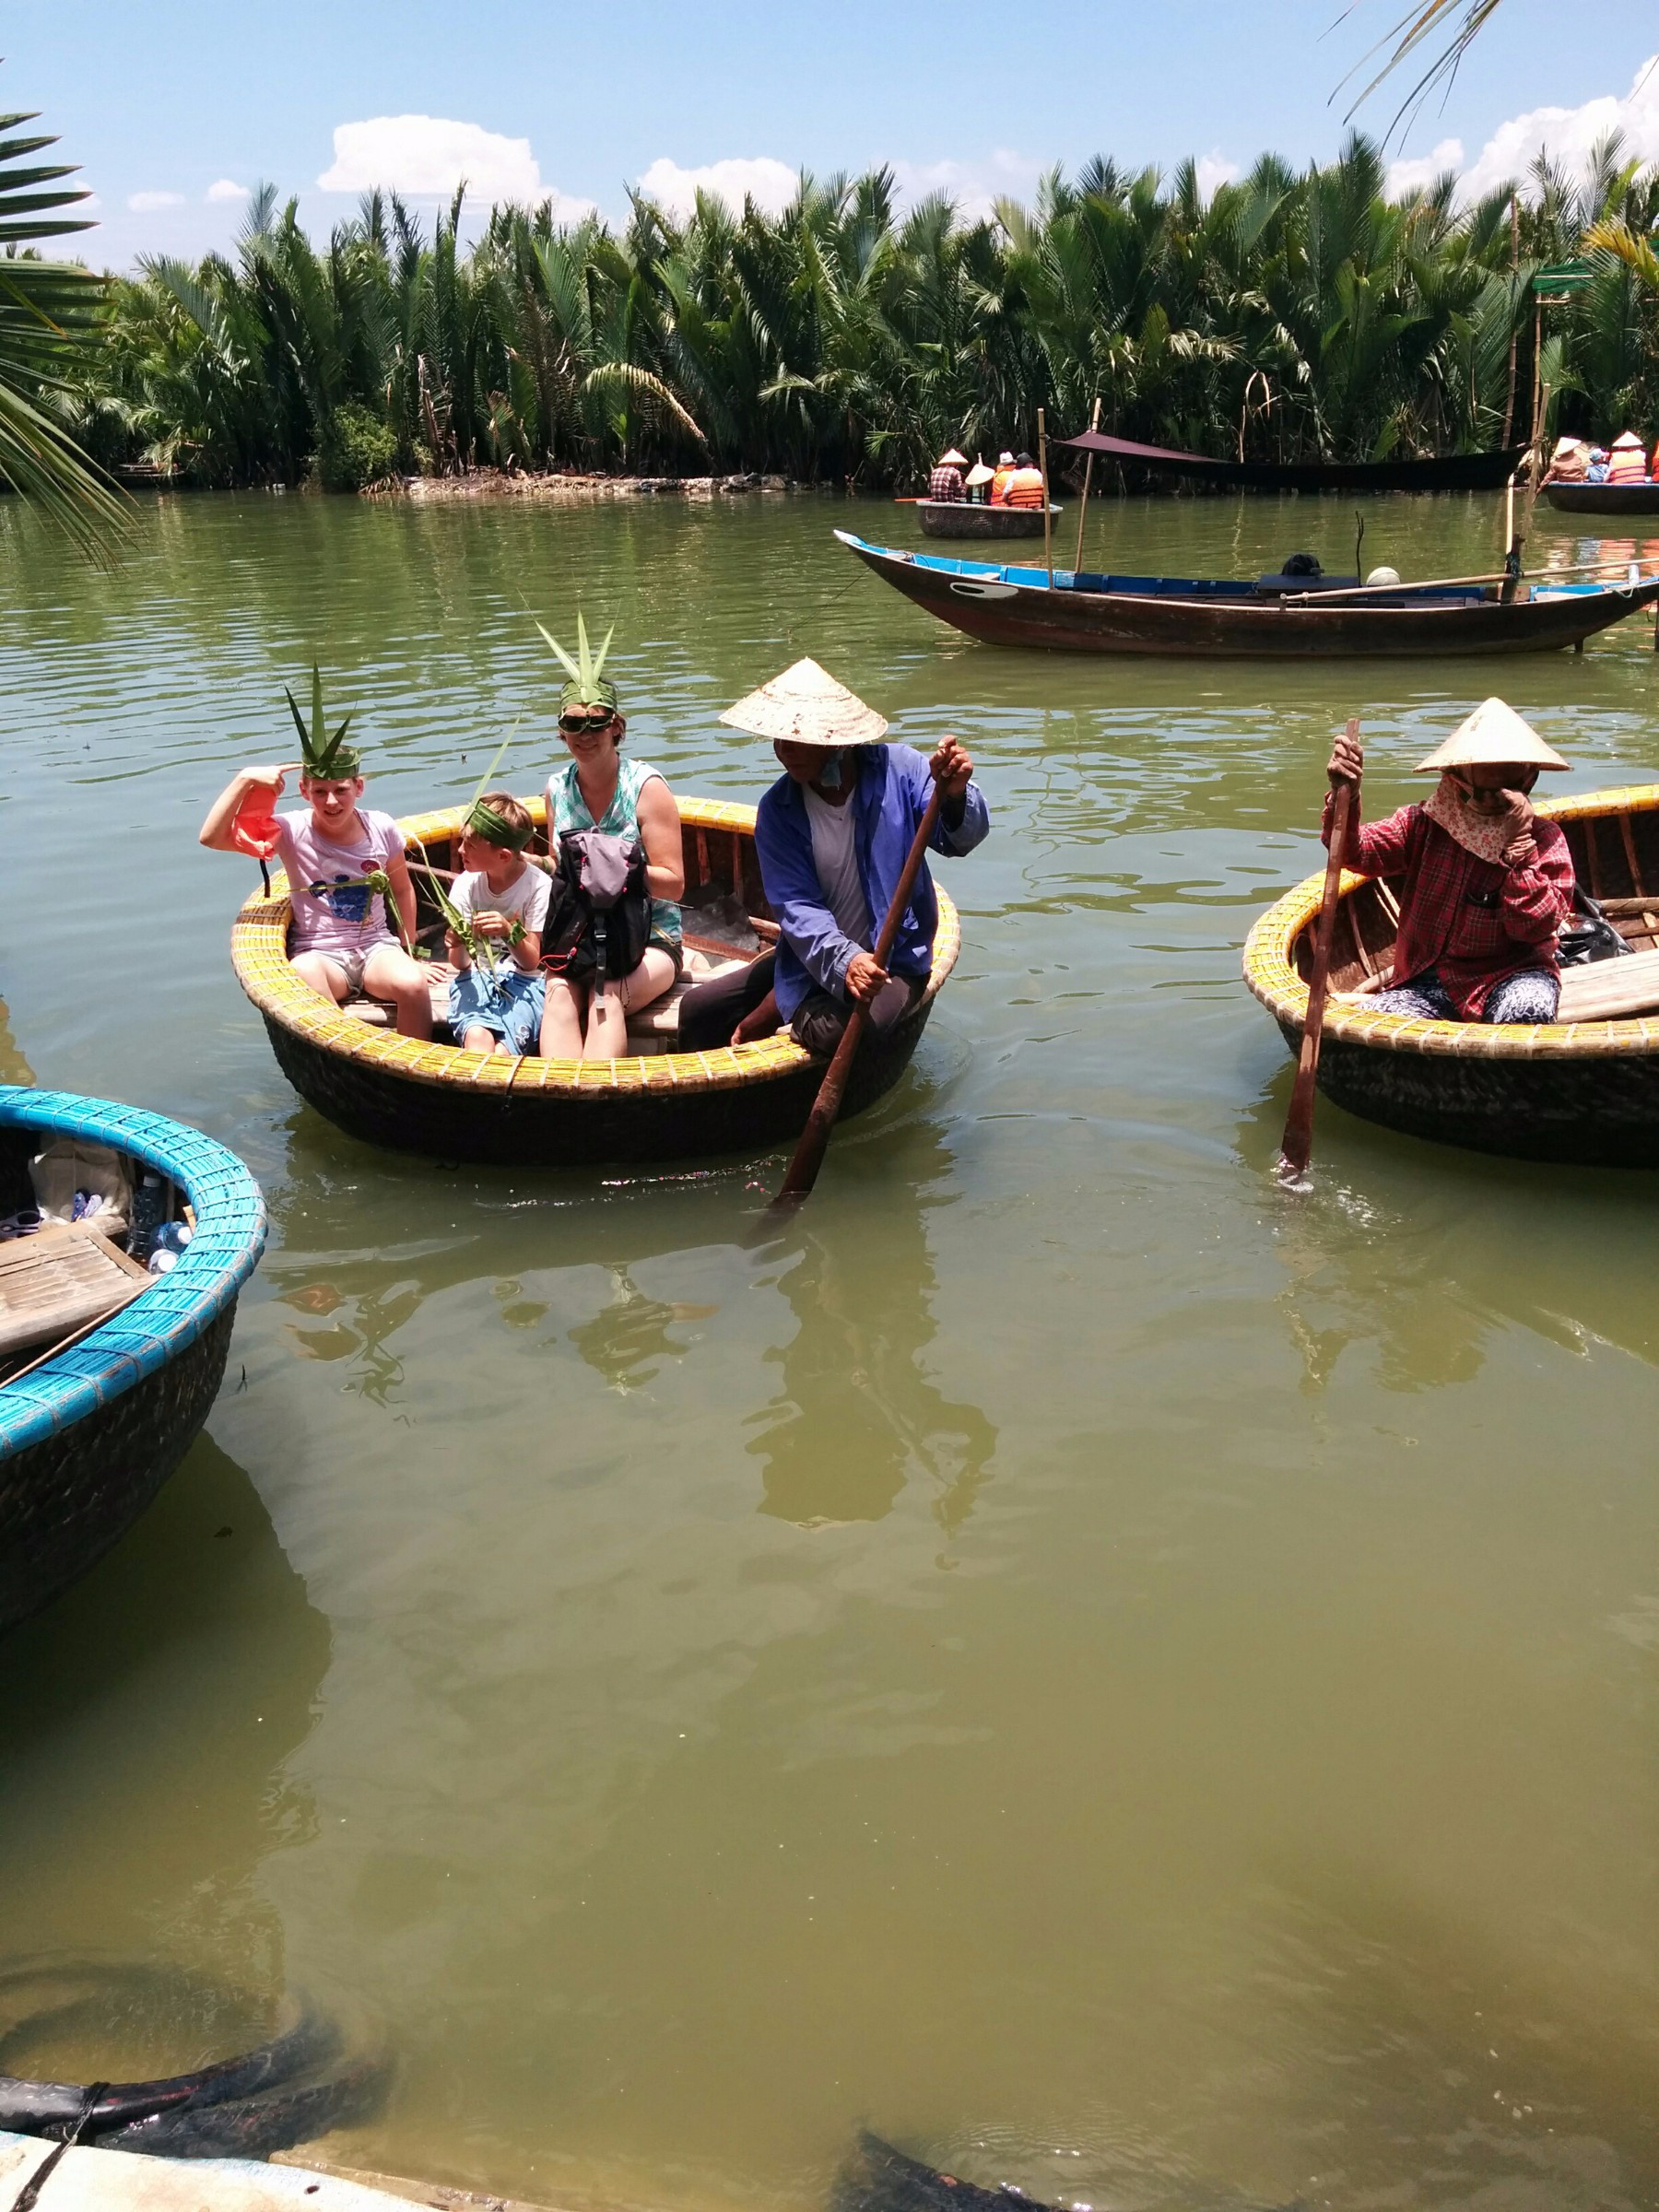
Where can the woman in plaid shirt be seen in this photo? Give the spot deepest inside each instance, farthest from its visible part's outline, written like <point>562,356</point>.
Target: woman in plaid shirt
<point>1487,883</point>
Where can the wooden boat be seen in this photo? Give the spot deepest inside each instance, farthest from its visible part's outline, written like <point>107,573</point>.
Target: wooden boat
<point>657,1105</point>
<point>964,518</point>
<point>90,1433</point>
<point>1583,1089</point>
<point>1273,617</point>
<point>1439,472</point>
<point>1604,499</point>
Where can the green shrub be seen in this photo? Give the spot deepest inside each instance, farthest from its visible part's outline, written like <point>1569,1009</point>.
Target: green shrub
<point>357,449</point>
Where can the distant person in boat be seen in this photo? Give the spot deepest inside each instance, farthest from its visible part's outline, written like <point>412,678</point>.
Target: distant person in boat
<point>496,1000</point>
<point>979,480</point>
<point>832,835</point>
<point>1597,471</point>
<point>999,479</point>
<point>340,943</point>
<point>1568,462</point>
<point>626,799</point>
<point>1628,462</point>
<point>1024,487</point>
<point>1486,886</point>
<point>945,482</point>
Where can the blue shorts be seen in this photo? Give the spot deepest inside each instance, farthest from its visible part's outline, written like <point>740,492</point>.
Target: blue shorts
<point>508,1005</point>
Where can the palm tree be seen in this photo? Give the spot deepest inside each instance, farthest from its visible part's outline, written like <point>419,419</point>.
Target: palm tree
<point>48,328</point>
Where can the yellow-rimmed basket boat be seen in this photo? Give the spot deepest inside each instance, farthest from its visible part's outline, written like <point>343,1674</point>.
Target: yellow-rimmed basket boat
<point>657,1105</point>
<point>1583,1091</point>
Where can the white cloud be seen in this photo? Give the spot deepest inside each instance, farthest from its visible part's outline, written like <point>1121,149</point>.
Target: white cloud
<point>146,203</point>
<point>226,190</point>
<point>1567,134</point>
<point>973,187</point>
<point>1214,170</point>
<point>1415,175</point>
<point>429,155</point>
<point>771,184</point>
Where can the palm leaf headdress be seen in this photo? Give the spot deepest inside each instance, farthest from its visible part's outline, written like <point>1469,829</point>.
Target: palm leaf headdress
<point>588,686</point>
<point>328,758</point>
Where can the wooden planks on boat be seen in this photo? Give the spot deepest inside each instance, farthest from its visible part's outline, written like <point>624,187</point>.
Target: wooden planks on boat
<point>57,1280</point>
<point>1610,990</point>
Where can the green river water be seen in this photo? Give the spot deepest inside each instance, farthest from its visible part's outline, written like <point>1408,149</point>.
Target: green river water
<point>1120,1679</point>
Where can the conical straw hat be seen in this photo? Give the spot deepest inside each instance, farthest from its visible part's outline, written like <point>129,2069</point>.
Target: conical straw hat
<point>806,706</point>
<point>1493,736</point>
<point>951,460</point>
<point>1627,438</point>
<point>980,474</point>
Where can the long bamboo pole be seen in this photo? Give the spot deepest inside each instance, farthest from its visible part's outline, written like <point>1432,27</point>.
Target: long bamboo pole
<point>1442,583</point>
<point>1094,424</point>
<point>1048,519</point>
<point>1298,1147</point>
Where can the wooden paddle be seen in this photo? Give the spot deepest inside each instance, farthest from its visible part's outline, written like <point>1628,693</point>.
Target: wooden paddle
<point>815,1138</point>
<point>1298,1147</point>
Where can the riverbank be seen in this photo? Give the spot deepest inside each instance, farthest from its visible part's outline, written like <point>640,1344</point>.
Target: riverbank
<point>502,484</point>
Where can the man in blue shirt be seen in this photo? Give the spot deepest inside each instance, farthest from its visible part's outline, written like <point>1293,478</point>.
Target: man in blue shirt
<point>832,835</point>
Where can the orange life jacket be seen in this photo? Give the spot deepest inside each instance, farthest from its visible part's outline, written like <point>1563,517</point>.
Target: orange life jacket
<point>999,488</point>
<point>1626,464</point>
<point>1024,487</point>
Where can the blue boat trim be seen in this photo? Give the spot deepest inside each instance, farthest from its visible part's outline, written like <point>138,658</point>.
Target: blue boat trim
<point>176,1308</point>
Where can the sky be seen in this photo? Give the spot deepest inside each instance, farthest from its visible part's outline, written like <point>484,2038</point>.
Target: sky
<point>175,109</point>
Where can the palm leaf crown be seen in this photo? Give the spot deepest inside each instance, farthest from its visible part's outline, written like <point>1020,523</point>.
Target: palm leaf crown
<point>587,684</point>
<point>328,758</point>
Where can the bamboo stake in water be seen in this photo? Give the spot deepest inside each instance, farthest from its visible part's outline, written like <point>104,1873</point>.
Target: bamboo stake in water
<point>1298,1147</point>
<point>1048,519</point>
<point>1094,424</point>
<point>815,1138</point>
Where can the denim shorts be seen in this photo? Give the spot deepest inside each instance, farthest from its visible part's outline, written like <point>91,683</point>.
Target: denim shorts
<point>508,1005</point>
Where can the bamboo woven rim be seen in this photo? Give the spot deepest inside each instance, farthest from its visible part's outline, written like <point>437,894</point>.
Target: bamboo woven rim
<point>1272,977</point>
<point>258,955</point>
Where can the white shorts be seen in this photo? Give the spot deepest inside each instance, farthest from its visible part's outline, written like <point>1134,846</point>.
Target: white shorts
<point>349,960</point>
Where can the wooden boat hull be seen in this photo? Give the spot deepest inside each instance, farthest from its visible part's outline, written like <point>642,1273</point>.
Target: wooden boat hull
<point>1604,499</point>
<point>451,1105</point>
<point>1013,606</point>
<point>89,1437</point>
<point>1446,472</point>
<point>1585,1093</point>
<point>962,518</point>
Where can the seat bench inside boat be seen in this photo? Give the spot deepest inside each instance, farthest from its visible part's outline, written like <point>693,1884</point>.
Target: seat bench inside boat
<point>654,1028</point>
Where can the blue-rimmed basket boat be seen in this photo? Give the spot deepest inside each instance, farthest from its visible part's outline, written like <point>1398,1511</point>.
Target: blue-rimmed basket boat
<point>1584,1091</point>
<point>1271,618</point>
<point>88,1436</point>
<point>658,1104</point>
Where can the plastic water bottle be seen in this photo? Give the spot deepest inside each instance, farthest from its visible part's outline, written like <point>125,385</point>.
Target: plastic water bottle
<point>161,1260</point>
<point>172,1236</point>
<point>147,1215</point>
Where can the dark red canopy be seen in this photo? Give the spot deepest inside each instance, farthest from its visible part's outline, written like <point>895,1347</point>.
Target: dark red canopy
<point>1125,449</point>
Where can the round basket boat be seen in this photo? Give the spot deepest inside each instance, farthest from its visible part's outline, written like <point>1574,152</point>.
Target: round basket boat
<point>659,1105</point>
<point>1581,1089</point>
<point>90,1434</point>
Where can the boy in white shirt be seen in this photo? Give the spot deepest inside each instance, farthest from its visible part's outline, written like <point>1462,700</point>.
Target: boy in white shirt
<point>496,998</point>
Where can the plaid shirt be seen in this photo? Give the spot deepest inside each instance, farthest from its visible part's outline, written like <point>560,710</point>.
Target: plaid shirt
<point>1473,922</point>
<point>946,483</point>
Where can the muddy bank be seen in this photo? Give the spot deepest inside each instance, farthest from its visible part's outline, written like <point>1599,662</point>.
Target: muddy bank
<point>497,484</point>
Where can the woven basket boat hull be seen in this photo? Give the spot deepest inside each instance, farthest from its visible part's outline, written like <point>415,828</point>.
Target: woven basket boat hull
<point>962,518</point>
<point>1585,1093</point>
<point>88,1438</point>
<point>1604,499</point>
<point>451,1105</point>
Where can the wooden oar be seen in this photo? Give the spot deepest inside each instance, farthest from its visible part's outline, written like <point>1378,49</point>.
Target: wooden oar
<point>815,1138</point>
<point>1298,1147</point>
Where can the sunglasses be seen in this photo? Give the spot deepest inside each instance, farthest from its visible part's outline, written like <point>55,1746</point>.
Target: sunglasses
<point>572,725</point>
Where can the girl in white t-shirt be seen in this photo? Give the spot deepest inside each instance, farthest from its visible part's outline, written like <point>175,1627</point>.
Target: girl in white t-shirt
<point>495,999</point>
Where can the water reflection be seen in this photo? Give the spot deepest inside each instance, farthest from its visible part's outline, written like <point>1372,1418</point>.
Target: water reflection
<point>14,1068</point>
<point>630,1335</point>
<point>855,1417</point>
<point>194,1639</point>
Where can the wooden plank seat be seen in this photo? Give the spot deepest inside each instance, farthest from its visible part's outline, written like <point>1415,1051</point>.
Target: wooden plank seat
<point>655,1029</point>
<point>59,1280</point>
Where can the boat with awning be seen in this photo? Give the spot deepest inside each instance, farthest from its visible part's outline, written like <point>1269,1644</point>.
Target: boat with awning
<point>1439,472</point>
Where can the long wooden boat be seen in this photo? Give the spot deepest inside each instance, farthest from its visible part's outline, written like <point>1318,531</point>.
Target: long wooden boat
<point>964,518</point>
<point>88,1435</point>
<point>1604,499</point>
<point>1274,617</point>
<point>1439,471</point>
<point>659,1105</point>
<point>1583,1090</point>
